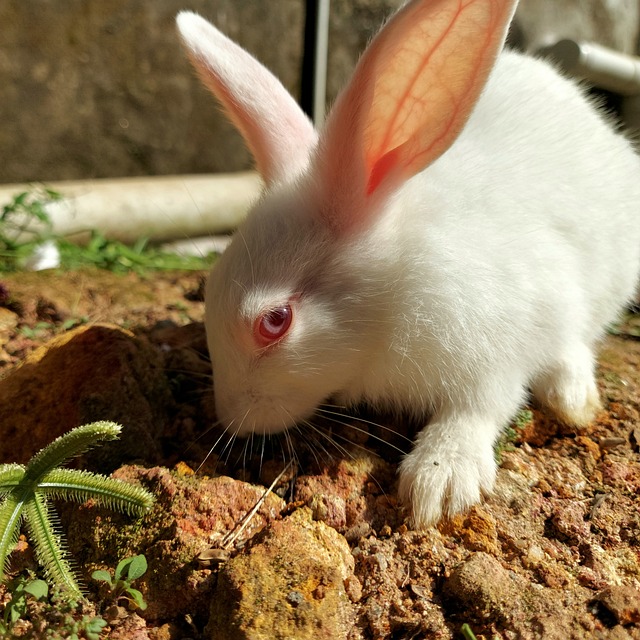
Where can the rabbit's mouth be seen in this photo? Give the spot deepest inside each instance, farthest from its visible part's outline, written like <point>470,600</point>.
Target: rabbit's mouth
<point>243,415</point>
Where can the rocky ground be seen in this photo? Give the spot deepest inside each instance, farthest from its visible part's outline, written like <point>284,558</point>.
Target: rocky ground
<point>553,554</point>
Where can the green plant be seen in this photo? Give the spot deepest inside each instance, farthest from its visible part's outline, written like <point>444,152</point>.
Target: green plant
<point>24,223</point>
<point>37,331</point>
<point>19,588</point>
<point>40,329</point>
<point>115,256</point>
<point>510,433</point>
<point>126,572</point>
<point>60,614</point>
<point>522,419</point>
<point>25,217</point>
<point>25,493</point>
<point>89,627</point>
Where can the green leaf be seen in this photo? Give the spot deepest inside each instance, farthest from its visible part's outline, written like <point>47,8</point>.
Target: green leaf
<point>20,199</point>
<point>17,607</point>
<point>102,576</point>
<point>50,555</point>
<point>11,476</point>
<point>121,570</point>
<point>137,567</point>
<point>467,632</point>
<point>10,518</point>
<point>24,494</point>
<point>39,589</point>
<point>69,445</point>
<point>137,598</point>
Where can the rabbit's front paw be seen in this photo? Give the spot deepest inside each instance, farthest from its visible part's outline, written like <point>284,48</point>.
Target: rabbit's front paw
<point>440,479</point>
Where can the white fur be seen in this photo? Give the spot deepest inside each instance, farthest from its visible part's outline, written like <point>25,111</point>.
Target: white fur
<point>494,269</point>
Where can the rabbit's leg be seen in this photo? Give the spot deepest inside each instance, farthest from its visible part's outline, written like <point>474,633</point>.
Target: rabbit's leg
<point>569,388</point>
<point>453,460</point>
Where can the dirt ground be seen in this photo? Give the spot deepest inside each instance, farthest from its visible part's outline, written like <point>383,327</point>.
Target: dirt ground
<point>553,553</point>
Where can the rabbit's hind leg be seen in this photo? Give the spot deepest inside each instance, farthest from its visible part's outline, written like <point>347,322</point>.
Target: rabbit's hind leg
<point>568,386</point>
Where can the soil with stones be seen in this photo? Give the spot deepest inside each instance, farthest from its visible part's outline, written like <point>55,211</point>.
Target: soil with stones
<point>553,553</point>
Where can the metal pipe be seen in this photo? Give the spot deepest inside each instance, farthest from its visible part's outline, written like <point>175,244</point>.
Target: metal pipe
<point>313,91</point>
<point>602,67</point>
<point>320,63</point>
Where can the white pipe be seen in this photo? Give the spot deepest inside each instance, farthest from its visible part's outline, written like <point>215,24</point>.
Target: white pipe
<point>160,208</point>
<point>198,246</point>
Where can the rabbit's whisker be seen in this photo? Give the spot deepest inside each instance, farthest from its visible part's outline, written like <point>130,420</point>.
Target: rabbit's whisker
<point>325,412</point>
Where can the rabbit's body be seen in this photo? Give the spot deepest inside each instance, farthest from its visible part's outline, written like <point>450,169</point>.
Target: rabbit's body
<point>543,260</point>
<point>495,268</point>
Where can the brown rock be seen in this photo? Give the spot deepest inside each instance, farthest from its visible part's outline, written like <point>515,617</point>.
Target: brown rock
<point>8,322</point>
<point>485,588</point>
<point>477,528</point>
<point>623,602</point>
<point>346,495</point>
<point>290,584</point>
<point>96,372</point>
<point>133,627</point>
<point>567,522</point>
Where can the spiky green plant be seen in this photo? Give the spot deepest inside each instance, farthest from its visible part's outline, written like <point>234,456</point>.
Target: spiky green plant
<point>26,491</point>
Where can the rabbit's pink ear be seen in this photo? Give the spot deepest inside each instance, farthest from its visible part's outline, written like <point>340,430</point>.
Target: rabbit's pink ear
<point>276,130</point>
<point>410,96</point>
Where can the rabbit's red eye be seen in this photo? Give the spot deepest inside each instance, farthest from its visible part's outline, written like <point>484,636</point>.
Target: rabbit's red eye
<point>273,324</point>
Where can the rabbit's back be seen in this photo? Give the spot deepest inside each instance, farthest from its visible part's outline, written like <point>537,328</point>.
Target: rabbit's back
<point>541,189</point>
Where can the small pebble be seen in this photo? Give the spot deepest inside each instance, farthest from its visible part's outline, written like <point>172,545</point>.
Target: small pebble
<point>611,443</point>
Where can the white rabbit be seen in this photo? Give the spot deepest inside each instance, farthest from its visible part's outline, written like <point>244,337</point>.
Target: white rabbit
<point>462,229</point>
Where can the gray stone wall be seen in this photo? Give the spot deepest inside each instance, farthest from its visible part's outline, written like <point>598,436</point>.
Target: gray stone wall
<point>101,88</point>
<point>96,88</point>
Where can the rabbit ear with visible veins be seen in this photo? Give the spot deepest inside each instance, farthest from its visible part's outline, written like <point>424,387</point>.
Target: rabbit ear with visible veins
<point>277,132</point>
<point>410,96</point>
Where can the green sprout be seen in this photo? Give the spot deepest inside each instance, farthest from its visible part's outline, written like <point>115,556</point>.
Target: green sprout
<point>16,608</point>
<point>467,632</point>
<point>126,572</point>
<point>25,590</point>
<point>26,491</point>
<point>511,432</point>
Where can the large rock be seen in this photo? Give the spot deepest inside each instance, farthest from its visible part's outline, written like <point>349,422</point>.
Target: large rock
<point>192,514</point>
<point>289,584</point>
<point>95,372</point>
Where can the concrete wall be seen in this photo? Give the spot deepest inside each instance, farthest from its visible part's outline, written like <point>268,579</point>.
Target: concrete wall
<point>100,88</point>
